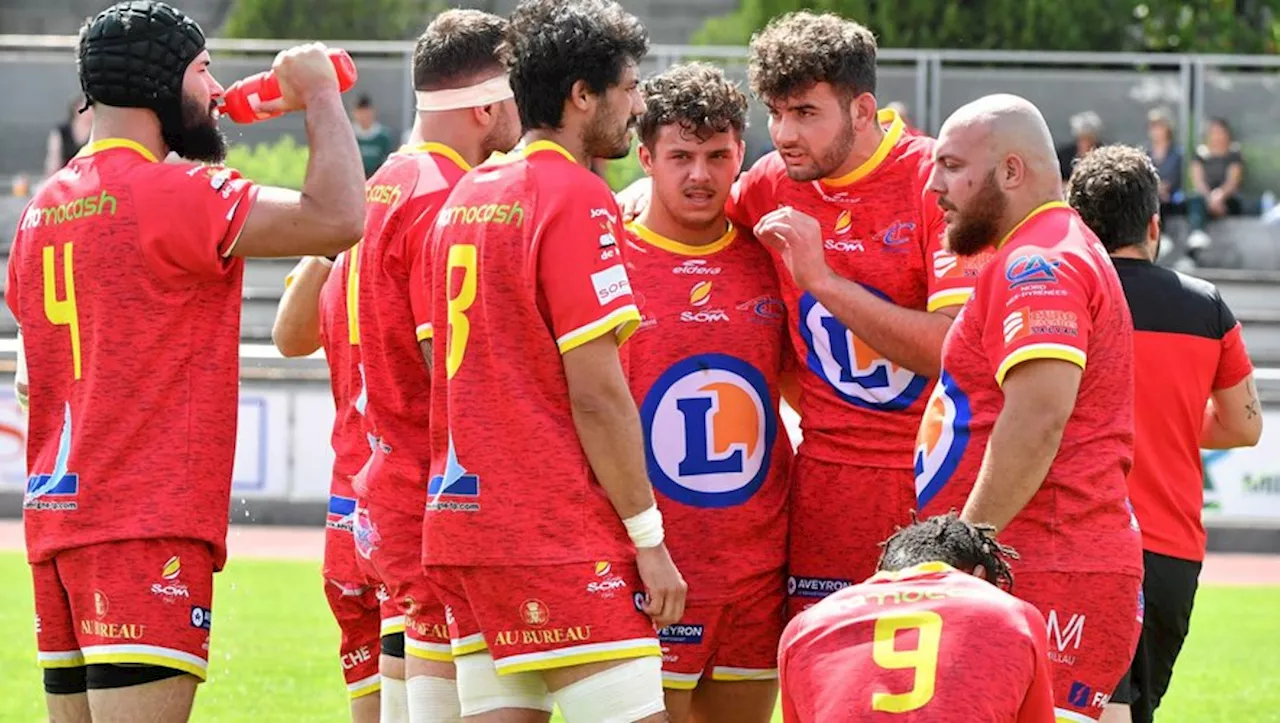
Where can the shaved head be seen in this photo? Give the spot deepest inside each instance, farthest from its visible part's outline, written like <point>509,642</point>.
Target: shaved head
<point>1011,125</point>
<point>995,163</point>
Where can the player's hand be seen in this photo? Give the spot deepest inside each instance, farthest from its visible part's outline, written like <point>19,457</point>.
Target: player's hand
<point>664,588</point>
<point>634,199</point>
<point>304,72</point>
<point>797,237</point>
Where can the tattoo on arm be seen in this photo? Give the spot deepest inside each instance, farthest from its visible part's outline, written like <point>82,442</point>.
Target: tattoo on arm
<point>1252,406</point>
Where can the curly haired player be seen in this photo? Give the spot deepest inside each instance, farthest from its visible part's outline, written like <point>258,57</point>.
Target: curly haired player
<point>705,367</point>
<point>554,573</point>
<point>869,293</point>
<point>1204,397</point>
<point>924,639</point>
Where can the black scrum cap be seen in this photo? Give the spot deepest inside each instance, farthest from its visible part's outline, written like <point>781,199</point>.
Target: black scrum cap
<point>135,53</point>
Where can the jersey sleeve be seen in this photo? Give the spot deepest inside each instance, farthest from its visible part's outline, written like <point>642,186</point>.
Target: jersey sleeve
<point>192,217</point>
<point>753,195</point>
<point>1233,359</point>
<point>417,259</point>
<point>1038,307</point>
<point>1037,706</point>
<point>582,280</point>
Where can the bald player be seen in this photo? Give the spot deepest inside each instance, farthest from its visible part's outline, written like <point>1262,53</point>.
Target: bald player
<point>1030,429</point>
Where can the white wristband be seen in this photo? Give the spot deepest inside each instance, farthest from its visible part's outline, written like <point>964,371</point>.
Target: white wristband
<point>645,529</point>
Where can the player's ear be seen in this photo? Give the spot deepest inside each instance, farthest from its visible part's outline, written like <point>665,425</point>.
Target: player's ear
<point>1153,237</point>
<point>646,158</point>
<point>980,572</point>
<point>864,111</point>
<point>1012,172</point>
<point>580,95</point>
<point>485,115</point>
<point>742,153</point>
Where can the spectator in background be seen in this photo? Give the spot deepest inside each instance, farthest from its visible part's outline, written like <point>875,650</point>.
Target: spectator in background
<point>1167,157</point>
<point>1197,392</point>
<point>66,140</point>
<point>375,141</point>
<point>1216,174</point>
<point>1086,129</point>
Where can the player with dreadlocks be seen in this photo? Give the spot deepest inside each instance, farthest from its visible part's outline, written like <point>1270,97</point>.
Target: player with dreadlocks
<point>924,638</point>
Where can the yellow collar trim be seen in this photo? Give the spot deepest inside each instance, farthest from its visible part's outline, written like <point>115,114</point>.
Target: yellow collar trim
<point>537,146</point>
<point>1038,210</point>
<point>659,241</point>
<point>921,569</point>
<point>439,149</point>
<point>891,136</point>
<point>107,144</point>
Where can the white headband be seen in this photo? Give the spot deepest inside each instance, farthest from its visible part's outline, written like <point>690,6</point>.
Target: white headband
<point>493,90</point>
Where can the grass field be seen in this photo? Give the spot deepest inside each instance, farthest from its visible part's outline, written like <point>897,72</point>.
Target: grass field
<point>273,653</point>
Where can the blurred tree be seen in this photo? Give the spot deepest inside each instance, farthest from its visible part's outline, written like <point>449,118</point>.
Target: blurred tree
<point>1198,26</point>
<point>330,19</point>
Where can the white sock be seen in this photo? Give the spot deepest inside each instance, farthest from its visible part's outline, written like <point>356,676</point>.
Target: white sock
<point>433,700</point>
<point>394,700</point>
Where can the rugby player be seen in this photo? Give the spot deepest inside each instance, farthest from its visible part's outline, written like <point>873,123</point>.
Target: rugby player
<point>931,637</point>
<point>704,368</point>
<point>538,476</point>
<point>465,112</point>
<point>313,315</point>
<point>125,277</point>
<point>1203,397</point>
<point>1031,427</point>
<point>869,292</point>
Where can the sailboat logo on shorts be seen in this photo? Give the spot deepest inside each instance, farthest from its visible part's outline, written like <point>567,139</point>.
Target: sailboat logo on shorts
<point>944,434</point>
<point>857,373</point>
<point>709,431</point>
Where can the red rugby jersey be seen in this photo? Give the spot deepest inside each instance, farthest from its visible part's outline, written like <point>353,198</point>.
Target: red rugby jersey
<point>704,368</point>
<point>350,446</point>
<point>122,281</point>
<point>525,265</point>
<point>924,644</point>
<point>402,199</point>
<point>882,229</point>
<point>1050,292</point>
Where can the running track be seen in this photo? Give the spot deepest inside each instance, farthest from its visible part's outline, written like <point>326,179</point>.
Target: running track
<point>304,543</point>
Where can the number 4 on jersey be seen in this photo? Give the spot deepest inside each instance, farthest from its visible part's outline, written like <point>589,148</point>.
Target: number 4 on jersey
<point>62,312</point>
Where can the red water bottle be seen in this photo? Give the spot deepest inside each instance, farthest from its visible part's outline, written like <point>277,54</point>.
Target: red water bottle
<point>241,102</point>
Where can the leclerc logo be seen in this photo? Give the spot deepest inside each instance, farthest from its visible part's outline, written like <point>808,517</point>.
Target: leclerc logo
<point>709,431</point>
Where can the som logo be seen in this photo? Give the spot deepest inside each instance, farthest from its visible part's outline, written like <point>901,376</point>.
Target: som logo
<point>857,373</point>
<point>842,229</point>
<point>709,431</point>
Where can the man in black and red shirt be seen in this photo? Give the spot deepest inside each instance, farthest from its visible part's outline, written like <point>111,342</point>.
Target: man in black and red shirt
<point>1194,389</point>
